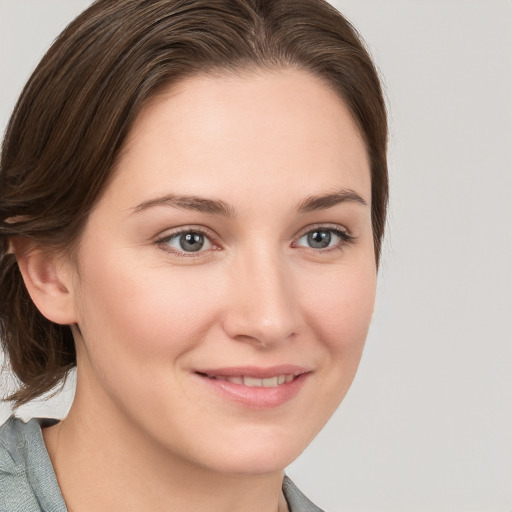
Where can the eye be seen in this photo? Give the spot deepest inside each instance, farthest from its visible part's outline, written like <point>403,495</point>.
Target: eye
<point>324,238</point>
<point>189,241</point>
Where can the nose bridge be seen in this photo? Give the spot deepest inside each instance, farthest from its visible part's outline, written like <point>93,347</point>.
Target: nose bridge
<point>262,306</point>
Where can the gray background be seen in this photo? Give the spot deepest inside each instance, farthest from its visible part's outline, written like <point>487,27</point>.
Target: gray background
<point>427,425</point>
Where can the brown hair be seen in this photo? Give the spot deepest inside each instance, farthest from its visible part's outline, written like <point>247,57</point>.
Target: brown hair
<point>76,110</point>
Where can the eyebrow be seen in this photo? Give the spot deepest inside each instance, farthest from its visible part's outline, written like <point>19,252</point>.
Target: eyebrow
<point>322,202</point>
<point>219,207</point>
<point>185,202</point>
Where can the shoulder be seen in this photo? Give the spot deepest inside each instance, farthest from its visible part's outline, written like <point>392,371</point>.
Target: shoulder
<point>27,481</point>
<point>15,491</point>
<point>296,500</point>
<point>12,446</point>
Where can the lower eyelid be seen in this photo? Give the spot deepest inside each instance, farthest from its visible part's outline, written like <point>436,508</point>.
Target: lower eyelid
<point>344,235</point>
<point>344,238</point>
<point>165,240</point>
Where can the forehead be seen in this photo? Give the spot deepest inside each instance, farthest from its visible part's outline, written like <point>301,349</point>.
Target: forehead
<point>283,128</point>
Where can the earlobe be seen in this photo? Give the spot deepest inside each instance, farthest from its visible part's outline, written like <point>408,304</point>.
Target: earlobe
<point>48,281</point>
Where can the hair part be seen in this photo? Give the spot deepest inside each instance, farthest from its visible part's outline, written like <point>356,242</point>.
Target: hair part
<point>73,116</point>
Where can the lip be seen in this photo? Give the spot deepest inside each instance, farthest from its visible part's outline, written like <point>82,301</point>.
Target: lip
<point>256,397</point>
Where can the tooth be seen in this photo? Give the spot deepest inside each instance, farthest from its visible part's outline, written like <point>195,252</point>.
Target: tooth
<point>252,382</point>
<point>235,380</point>
<point>271,382</point>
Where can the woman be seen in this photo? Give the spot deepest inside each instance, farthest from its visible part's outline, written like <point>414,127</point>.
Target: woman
<point>193,197</point>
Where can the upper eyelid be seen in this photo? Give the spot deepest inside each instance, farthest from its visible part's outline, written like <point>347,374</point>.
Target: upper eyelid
<point>162,239</point>
<point>214,238</point>
<point>327,227</point>
<point>187,229</point>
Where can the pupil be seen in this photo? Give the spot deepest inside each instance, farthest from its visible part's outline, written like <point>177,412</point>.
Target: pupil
<point>319,239</point>
<point>191,242</point>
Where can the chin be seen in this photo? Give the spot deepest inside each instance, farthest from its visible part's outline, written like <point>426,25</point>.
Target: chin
<point>257,452</point>
<point>257,463</point>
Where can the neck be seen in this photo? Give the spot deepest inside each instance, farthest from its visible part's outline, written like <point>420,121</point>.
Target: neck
<point>124,470</point>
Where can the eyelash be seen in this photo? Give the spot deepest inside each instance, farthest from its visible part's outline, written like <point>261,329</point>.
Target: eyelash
<point>345,238</point>
<point>163,242</point>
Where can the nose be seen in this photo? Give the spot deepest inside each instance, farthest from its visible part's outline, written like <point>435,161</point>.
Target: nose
<point>262,306</point>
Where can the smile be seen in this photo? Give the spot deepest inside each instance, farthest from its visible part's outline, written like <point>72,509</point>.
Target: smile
<point>254,382</point>
<point>256,388</point>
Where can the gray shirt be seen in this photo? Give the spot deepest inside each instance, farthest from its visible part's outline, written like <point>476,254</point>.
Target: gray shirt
<point>28,482</point>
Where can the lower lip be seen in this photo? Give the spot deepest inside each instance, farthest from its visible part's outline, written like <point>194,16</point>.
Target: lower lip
<point>256,397</point>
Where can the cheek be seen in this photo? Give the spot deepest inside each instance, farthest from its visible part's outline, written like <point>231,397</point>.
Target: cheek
<point>338,312</point>
<point>340,306</point>
<point>145,312</point>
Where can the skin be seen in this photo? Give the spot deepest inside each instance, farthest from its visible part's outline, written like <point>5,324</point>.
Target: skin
<point>144,431</point>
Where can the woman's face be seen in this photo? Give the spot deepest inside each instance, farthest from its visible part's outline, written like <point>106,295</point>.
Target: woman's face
<point>226,278</point>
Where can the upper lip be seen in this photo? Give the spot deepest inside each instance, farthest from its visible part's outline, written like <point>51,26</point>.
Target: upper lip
<point>257,372</point>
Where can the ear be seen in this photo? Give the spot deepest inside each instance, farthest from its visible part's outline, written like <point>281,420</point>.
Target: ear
<point>48,279</point>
